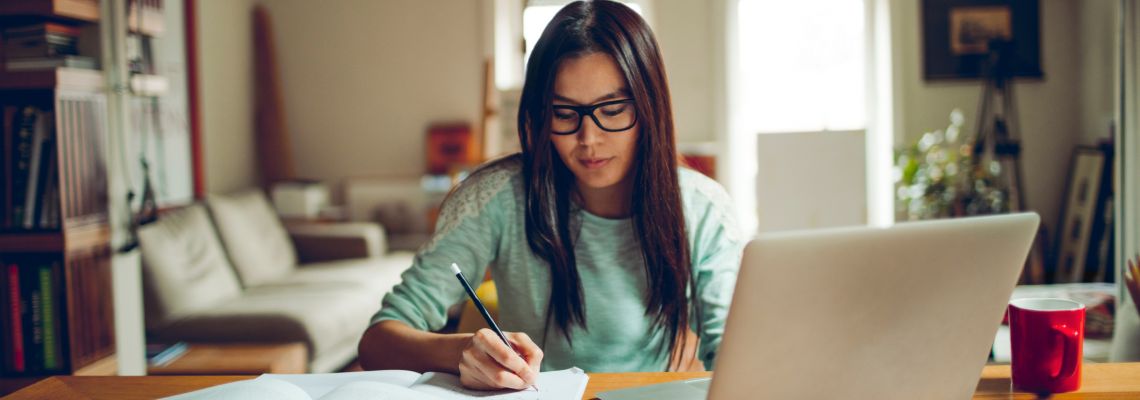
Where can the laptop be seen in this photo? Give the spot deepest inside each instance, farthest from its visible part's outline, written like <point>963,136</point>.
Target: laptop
<point>905,312</point>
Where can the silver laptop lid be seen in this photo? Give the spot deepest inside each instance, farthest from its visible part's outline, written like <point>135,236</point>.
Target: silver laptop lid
<point>905,312</point>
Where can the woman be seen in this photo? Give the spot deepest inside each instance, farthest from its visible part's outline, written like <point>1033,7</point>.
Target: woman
<point>603,250</point>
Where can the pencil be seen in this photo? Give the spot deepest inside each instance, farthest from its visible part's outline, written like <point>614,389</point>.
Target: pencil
<point>483,310</point>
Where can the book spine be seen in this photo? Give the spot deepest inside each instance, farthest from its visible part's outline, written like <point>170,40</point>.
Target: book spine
<point>47,217</point>
<point>57,288</point>
<point>40,50</point>
<point>35,46</point>
<point>47,161</point>
<point>21,160</point>
<point>31,196</point>
<point>54,221</point>
<point>34,341</point>
<point>50,349</point>
<point>16,313</point>
<point>6,169</point>
<point>42,29</point>
<point>41,64</point>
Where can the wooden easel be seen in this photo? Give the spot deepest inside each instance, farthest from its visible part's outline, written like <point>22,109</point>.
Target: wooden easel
<point>998,139</point>
<point>998,130</point>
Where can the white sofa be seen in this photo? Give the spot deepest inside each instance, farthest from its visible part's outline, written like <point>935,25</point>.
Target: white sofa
<point>230,271</point>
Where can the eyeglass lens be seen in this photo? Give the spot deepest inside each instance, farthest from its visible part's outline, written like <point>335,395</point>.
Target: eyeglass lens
<point>610,116</point>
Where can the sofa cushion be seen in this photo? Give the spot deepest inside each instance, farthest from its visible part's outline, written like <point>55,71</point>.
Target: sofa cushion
<point>379,275</point>
<point>321,315</point>
<point>184,266</point>
<point>253,236</point>
<point>320,241</point>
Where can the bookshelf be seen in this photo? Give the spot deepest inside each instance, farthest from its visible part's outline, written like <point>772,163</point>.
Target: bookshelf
<point>56,314</point>
<point>69,10</point>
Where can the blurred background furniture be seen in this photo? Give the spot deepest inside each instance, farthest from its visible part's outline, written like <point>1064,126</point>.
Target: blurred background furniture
<point>235,274</point>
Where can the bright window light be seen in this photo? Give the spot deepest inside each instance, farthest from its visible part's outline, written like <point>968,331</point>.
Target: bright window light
<point>801,65</point>
<point>536,17</point>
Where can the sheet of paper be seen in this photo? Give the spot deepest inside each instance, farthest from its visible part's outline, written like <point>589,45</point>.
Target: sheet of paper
<point>366,390</point>
<point>251,389</point>
<point>447,386</point>
<point>567,384</point>
<point>552,385</point>
<point>317,385</point>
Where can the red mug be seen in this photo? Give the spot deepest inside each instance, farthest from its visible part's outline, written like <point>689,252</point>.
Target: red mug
<point>1047,336</point>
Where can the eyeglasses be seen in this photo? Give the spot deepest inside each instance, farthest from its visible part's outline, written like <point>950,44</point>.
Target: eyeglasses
<point>616,116</point>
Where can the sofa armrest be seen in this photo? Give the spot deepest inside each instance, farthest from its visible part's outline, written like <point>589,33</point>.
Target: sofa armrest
<point>337,241</point>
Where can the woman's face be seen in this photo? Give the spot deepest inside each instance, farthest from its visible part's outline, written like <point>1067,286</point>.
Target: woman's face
<point>598,159</point>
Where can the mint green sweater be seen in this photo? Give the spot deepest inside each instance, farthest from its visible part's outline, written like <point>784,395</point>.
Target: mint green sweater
<point>482,226</point>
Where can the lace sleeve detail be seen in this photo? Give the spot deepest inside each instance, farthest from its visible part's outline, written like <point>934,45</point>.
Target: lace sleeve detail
<point>472,196</point>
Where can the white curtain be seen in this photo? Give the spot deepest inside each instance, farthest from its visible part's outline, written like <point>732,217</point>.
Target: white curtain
<point>1126,341</point>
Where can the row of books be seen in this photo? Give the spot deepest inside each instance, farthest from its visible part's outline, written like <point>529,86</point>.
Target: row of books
<point>30,193</point>
<point>31,317</point>
<point>45,45</point>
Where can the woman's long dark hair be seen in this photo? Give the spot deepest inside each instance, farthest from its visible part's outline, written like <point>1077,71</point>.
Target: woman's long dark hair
<point>607,27</point>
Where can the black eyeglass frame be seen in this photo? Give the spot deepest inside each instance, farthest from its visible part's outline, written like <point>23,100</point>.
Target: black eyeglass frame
<point>584,111</point>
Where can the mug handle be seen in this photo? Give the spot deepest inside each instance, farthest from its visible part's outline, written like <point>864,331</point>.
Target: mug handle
<point>1072,356</point>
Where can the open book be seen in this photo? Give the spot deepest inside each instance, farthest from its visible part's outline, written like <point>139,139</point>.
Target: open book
<point>387,385</point>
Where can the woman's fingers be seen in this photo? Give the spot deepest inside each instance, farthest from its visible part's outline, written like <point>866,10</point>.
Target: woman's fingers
<point>490,343</point>
<point>488,363</point>
<point>527,349</point>
<point>480,371</point>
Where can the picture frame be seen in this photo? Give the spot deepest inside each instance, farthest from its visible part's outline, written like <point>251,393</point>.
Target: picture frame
<point>1086,192</point>
<point>956,35</point>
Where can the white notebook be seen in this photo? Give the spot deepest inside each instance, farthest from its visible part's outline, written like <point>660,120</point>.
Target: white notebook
<point>391,385</point>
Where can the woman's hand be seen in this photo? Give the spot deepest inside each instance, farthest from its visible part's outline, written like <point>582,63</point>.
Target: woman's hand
<point>487,363</point>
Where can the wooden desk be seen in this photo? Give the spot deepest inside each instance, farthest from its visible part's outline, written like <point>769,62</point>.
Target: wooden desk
<point>237,359</point>
<point>1100,381</point>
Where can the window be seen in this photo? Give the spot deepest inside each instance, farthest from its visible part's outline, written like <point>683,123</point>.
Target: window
<point>802,65</point>
<point>539,13</point>
<point>803,69</point>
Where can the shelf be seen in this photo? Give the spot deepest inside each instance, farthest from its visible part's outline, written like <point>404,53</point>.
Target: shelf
<point>57,78</point>
<point>70,239</point>
<point>74,10</point>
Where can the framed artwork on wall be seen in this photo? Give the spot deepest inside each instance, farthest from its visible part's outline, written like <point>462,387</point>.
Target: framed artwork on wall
<point>1086,196</point>
<point>957,37</point>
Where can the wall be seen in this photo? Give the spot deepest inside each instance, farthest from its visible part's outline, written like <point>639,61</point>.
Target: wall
<point>1098,17</point>
<point>1051,115</point>
<point>810,180</point>
<point>225,71</point>
<point>684,30</point>
<point>391,77</point>
<point>363,79</point>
